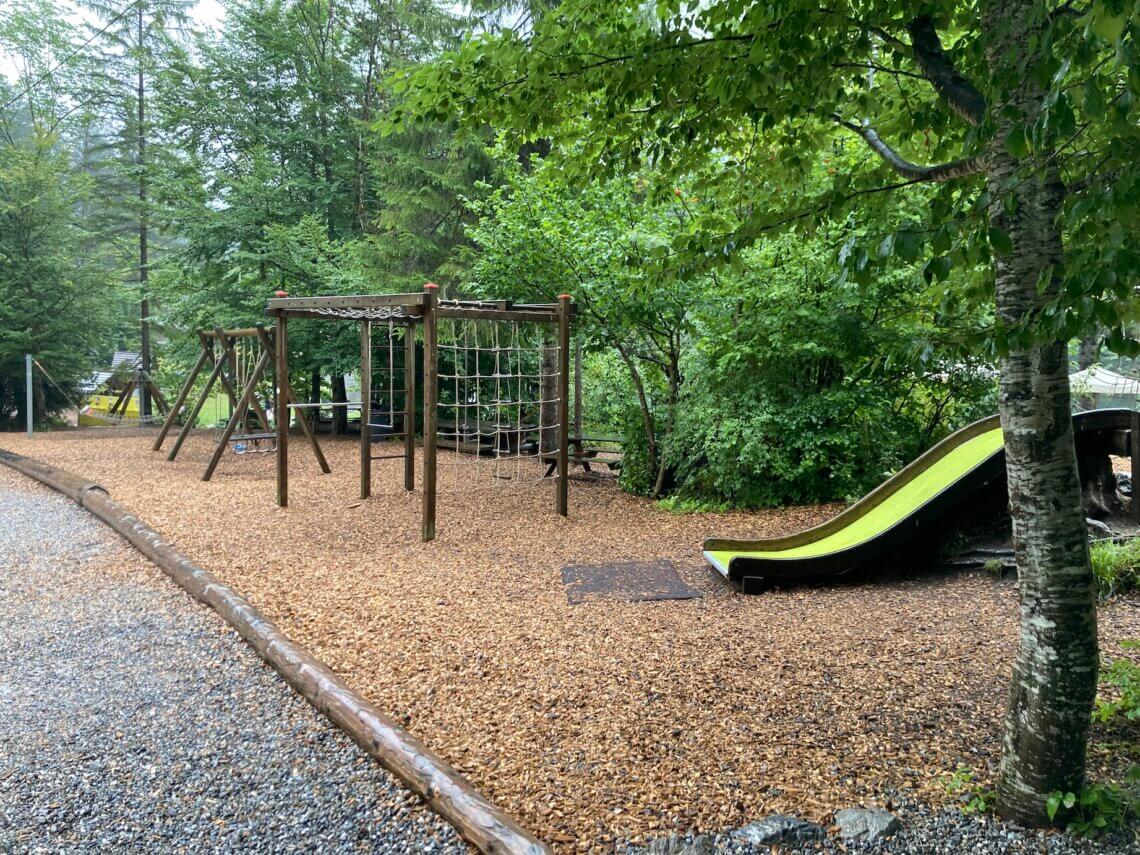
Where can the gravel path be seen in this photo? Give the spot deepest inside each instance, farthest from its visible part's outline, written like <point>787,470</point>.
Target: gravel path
<point>136,720</point>
<point>924,831</point>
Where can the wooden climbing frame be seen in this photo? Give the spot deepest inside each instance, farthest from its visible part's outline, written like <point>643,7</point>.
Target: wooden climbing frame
<point>409,312</point>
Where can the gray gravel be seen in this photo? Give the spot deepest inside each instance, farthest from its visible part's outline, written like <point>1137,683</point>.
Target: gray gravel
<point>924,832</point>
<point>133,719</point>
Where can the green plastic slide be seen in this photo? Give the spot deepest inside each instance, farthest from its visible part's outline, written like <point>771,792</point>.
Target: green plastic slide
<point>923,485</point>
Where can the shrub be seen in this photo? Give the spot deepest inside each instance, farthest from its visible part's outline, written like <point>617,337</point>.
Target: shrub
<point>1122,678</point>
<point>1098,808</point>
<point>1116,566</point>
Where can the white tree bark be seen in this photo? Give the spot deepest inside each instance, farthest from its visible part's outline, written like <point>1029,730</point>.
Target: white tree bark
<point>1055,672</point>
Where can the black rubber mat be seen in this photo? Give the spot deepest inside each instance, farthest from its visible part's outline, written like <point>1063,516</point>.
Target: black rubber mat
<point>630,581</point>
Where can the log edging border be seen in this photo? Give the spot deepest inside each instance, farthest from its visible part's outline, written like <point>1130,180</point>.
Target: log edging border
<point>442,787</point>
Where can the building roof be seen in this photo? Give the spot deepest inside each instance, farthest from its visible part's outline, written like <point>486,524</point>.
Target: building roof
<point>1098,380</point>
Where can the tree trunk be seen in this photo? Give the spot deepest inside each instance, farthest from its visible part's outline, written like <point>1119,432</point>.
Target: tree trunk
<point>1055,672</point>
<point>340,414</point>
<point>642,403</point>
<point>144,261</point>
<point>548,393</point>
<point>1089,352</point>
<point>578,388</point>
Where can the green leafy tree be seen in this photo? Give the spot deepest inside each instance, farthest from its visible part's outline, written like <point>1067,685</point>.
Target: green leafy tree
<point>131,43</point>
<point>1021,115</point>
<point>57,301</point>
<point>282,183</point>
<point>536,240</point>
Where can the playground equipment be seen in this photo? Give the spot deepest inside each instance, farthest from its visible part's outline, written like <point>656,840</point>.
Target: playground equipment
<point>494,384</point>
<point>107,406</point>
<point>238,360</point>
<point>907,513</point>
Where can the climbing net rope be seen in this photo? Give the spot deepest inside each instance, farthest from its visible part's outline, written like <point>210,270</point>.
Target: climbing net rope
<point>498,403</point>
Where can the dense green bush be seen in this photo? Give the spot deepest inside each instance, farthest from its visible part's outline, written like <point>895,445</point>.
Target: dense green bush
<point>752,446</point>
<point>817,388</point>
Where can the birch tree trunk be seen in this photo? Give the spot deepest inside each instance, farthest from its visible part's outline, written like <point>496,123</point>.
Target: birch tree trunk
<point>1055,672</point>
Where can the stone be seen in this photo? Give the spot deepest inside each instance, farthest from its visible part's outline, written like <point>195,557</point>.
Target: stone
<point>702,844</point>
<point>866,825</point>
<point>778,829</point>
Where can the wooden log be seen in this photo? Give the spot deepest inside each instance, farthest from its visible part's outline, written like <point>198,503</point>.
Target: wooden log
<point>446,791</point>
<point>409,408</point>
<point>352,301</point>
<point>563,492</point>
<point>431,400</point>
<point>180,401</point>
<point>366,409</point>
<point>242,332</point>
<point>525,316</point>
<point>281,340</point>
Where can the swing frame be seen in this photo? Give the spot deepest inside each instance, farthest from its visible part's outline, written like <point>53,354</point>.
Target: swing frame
<point>218,353</point>
<point>410,311</point>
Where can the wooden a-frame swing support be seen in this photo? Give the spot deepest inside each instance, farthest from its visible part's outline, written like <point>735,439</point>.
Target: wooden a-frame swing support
<point>139,379</point>
<point>224,370</point>
<point>409,310</point>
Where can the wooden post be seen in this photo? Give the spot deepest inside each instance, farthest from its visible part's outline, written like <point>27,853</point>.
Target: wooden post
<point>228,342</point>
<point>281,340</point>
<point>180,401</point>
<point>1134,447</point>
<point>302,423</point>
<point>409,407</point>
<point>192,418</point>
<point>238,416</point>
<point>563,494</point>
<point>366,408</point>
<point>578,390</point>
<point>124,399</point>
<point>431,399</point>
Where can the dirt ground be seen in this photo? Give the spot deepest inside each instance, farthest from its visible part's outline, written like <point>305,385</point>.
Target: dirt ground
<point>604,722</point>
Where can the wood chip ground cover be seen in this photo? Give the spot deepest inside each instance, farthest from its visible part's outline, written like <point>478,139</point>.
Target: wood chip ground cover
<point>604,722</point>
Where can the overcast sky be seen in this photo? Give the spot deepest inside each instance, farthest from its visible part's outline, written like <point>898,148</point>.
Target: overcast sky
<point>207,14</point>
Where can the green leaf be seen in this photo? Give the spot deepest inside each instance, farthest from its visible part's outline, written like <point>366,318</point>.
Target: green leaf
<point>1108,25</point>
<point>1094,100</point>
<point>1000,241</point>
<point>1016,142</point>
<point>1052,804</point>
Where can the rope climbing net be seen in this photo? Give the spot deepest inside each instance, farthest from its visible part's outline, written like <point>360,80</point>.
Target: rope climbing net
<point>498,403</point>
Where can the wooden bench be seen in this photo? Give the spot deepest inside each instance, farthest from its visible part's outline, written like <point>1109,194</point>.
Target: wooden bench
<point>482,437</point>
<point>585,450</point>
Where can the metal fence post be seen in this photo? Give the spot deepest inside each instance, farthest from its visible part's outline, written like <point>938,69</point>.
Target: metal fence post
<point>28,390</point>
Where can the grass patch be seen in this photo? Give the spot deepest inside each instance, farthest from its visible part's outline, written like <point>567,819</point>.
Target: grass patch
<point>1116,566</point>
<point>679,505</point>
